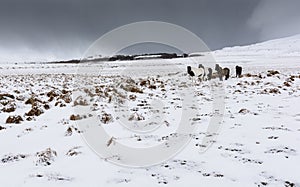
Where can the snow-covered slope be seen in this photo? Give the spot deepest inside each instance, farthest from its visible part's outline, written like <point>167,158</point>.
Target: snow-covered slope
<point>283,47</point>
<point>258,143</point>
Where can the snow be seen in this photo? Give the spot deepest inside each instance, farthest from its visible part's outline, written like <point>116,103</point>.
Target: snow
<point>285,47</point>
<point>258,143</point>
<point>147,56</point>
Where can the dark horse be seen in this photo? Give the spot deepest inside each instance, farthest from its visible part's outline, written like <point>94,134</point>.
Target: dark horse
<point>238,71</point>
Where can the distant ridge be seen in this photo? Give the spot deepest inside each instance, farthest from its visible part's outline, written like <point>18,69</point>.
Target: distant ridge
<point>124,58</point>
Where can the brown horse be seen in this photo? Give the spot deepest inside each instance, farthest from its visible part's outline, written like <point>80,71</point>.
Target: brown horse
<point>222,72</point>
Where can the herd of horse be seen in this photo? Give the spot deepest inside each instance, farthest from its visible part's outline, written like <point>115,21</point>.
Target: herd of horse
<point>207,73</point>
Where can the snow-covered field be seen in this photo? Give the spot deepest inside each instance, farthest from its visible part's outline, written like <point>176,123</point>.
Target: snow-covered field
<point>258,143</point>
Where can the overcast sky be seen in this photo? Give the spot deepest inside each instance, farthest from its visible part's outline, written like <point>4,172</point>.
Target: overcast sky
<point>33,30</point>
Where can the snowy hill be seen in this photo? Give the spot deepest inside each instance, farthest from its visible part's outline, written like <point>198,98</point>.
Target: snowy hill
<point>257,145</point>
<point>283,47</point>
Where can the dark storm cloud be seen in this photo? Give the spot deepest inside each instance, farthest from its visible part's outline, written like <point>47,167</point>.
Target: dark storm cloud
<point>63,29</point>
<point>276,18</point>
